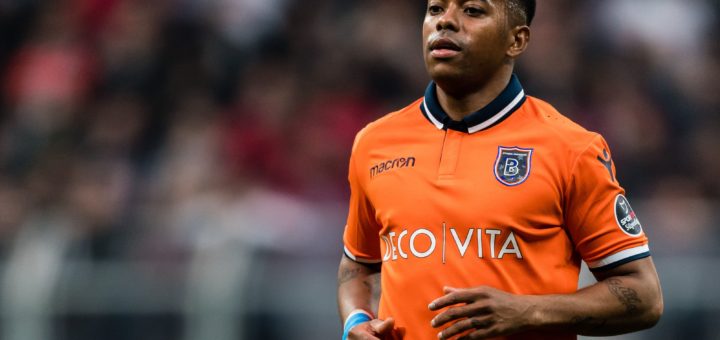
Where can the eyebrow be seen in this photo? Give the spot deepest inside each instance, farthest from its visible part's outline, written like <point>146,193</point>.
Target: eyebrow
<point>464,1</point>
<point>485,1</point>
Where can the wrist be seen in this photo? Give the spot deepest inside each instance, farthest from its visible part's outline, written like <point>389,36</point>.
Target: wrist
<point>552,312</point>
<point>537,316</point>
<point>355,318</point>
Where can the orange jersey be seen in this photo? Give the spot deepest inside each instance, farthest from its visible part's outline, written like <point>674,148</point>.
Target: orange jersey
<point>514,196</point>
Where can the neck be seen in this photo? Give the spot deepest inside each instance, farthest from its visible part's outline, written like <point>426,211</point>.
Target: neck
<point>459,103</point>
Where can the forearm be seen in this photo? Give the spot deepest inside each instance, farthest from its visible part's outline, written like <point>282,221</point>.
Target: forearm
<point>358,287</point>
<point>618,303</point>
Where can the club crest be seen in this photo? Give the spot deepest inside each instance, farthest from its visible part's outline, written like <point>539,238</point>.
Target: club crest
<point>512,165</point>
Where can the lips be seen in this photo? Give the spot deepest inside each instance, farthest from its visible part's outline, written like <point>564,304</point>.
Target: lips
<point>444,44</point>
<point>444,48</point>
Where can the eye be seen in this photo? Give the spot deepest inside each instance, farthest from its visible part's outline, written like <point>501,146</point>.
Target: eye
<point>434,9</point>
<point>474,11</point>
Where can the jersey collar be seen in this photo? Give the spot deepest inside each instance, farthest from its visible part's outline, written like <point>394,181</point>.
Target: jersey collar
<point>509,100</point>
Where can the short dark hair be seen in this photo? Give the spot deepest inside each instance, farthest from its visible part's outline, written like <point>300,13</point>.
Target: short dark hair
<point>522,12</point>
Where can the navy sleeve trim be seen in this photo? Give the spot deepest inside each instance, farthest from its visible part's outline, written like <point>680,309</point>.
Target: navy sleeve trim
<point>621,262</point>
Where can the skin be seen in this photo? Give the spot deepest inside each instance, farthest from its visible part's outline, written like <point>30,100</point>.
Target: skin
<point>359,288</point>
<point>625,299</point>
<point>489,44</point>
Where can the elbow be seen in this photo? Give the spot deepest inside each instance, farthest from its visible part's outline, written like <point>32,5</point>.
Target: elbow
<point>656,305</point>
<point>656,311</point>
<point>653,313</point>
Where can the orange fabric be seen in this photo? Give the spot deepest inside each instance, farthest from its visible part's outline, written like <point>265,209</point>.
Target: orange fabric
<point>427,203</point>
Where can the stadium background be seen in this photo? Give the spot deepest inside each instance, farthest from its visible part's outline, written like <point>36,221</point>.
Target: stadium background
<point>176,169</point>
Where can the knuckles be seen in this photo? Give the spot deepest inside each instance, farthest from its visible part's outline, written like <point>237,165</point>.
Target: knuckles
<point>358,331</point>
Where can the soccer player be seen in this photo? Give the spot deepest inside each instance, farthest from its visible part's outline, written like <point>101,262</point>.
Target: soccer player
<point>476,204</point>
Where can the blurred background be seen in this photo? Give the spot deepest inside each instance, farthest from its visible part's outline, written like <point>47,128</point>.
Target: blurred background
<point>176,169</point>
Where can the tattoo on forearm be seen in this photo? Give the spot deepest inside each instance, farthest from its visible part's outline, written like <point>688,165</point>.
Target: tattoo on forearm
<point>348,274</point>
<point>627,296</point>
<point>368,285</point>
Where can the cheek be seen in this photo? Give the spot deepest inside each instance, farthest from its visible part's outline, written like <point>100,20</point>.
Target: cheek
<point>427,29</point>
<point>487,45</point>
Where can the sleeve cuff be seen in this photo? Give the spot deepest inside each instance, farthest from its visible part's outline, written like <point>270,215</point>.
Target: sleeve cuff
<point>620,258</point>
<point>356,259</point>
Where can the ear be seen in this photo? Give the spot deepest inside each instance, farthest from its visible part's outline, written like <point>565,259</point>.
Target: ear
<point>519,38</point>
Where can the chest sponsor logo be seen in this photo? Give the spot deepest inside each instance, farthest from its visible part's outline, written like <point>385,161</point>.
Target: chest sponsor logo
<point>421,243</point>
<point>397,163</point>
<point>626,218</point>
<point>512,165</point>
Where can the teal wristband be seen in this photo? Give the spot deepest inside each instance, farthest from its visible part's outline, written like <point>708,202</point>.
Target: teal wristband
<point>354,320</point>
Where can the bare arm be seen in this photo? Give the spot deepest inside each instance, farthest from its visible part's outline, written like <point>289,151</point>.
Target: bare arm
<point>625,299</point>
<point>358,287</point>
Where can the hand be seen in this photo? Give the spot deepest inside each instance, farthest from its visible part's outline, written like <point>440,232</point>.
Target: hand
<point>481,312</point>
<point>375,329</point>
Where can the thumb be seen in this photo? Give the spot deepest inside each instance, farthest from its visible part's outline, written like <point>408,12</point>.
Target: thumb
<point>383,326</point>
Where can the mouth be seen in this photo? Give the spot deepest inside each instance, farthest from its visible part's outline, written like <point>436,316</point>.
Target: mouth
<point>444,48</point>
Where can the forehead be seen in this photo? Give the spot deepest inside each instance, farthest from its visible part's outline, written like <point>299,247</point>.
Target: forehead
<point>492,3</point>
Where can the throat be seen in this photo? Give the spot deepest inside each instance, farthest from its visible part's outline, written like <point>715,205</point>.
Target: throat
<point>458,107</point>
<point>460,100</point>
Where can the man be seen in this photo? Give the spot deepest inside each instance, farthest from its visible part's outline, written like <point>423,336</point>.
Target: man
<point>477,203</point>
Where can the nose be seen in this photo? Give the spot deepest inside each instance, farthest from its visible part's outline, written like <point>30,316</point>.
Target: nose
<point>448,20</point>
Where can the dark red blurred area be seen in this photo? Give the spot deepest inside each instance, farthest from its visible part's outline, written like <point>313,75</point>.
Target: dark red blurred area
<point>201,138</point>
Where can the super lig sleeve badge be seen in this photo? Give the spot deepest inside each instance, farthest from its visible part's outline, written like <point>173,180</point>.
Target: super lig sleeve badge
<point>512,165</point>
<point>626,218</point>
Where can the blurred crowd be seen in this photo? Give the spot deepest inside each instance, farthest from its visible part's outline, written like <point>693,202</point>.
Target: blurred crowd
<point>194,135</point>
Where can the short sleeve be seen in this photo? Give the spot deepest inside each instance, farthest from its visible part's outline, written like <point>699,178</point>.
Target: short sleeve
<point>361,237</point>
<point>604,228</point>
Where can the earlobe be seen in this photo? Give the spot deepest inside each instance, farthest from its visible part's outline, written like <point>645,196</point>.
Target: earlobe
<point>520,40</point>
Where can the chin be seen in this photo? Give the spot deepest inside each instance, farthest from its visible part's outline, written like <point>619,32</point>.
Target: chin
<point>446,73</point>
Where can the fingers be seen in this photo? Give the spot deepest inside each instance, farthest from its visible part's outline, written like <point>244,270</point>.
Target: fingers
<point>453,296</point>
<point>382,326</point>
<point>363,331</point>
<point>371,330</point>
<point>459,312</point>
<point>478,323</point>
<point>363,336</point>
<point>481,334</point>
<point>448,290</point>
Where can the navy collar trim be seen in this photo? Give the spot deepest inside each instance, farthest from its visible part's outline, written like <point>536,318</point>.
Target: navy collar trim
<point>509,100</point>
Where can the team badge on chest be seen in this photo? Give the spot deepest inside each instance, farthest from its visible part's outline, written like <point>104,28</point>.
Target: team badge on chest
<point>512,165</point>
